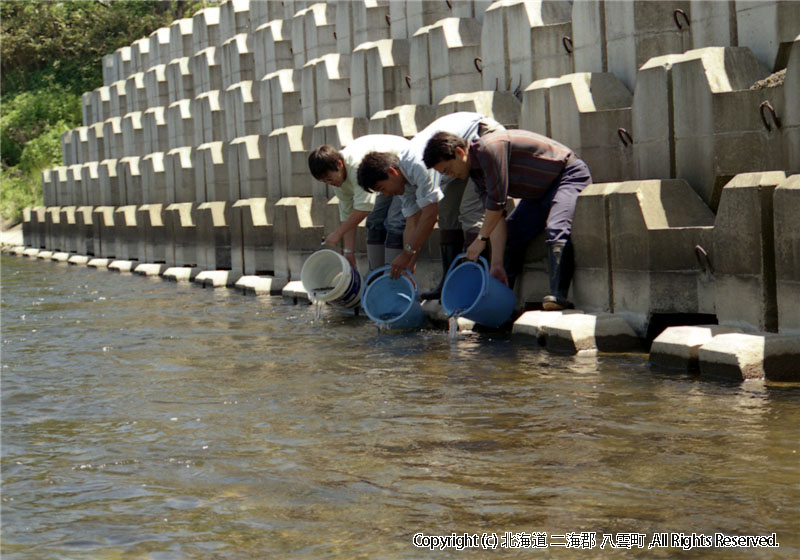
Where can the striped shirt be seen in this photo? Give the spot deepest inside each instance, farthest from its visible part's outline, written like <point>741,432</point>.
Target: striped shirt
<point>515,163</point>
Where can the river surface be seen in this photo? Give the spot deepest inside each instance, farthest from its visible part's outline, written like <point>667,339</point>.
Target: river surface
<point>148,419</point>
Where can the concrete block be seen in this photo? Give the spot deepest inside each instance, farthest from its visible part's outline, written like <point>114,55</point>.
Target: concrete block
<point>127,236</point>
<point>665,109</point>
<point>110,74</point>
<point>280,100</point>
<point>140,54</point>
<point>104,233</point>
<point>751,356</point>
<point>502,106</point>
<point>159,46</point>
<point>97,146</point>
<point>156,86</point>
<point>325,84</point>
<point>786,204</point>
<point>74,187</point>
<point>537,28</point>
<point>207,70</point>
<point>180,82</point>
<point>90,183</point>
<point>272,48</point>
<point>69,231</point>
<point>79,259</point>
<point>180,175</point>
<point>313,30</point>
<point>585,111</point>
<point>181,223</point>
<point>297,233</point>
<point>768,29</point>
<point>81,144</point>
<point>135,92</point>
<point>408,17</point>
<point>85,227</point>
<point>130,180</point>
<point>110,194</point>
<point>234,18</point>
<point>154,178</point>
<point>87,112</point>
<point>206,29</point>
<point>656,266</point>
<point>180,38</point>
<point>711,148</point>
<point>214,242</point>
<point>678,347</point>
<point>101,104</point>
<point>360,22</point>
<point>132,134</point>
<point>261,13</point>
<point>744,253</point>
<point>61,185</point>
<point>39,226</point>
<point>532,323</point>
<point>713,24</point>
<point>180,124</point>
<point>154,126</point>
<point>154,243</point>
<point>404,120</point>
<point>237,53</point>
<point>247,171</point>
<point>243,112</point>
<point>442,60</point>
<point>290,147</point>
<point>122,62</point>
<point>49,197</point>
<point>68,156</point>
<point>588,333</point>
<point>791,118</point>
<point>209,113</point>
<point>212,182</point>
<point>379,76</point>
<point>252,230</point>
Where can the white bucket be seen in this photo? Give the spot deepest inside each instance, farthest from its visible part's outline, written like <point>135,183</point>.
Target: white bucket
<point>328,277</point>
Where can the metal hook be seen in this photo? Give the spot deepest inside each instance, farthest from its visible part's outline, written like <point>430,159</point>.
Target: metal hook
<point>449,5</point>
<point>408,81</point>
<point>625,137</point>
<point>767,105</point>
<point>518,89</point>
<point>703,259</point>
<point>675,14</point>
<point>475,62</point>
<point>566,40</point>
<point>388,19</point>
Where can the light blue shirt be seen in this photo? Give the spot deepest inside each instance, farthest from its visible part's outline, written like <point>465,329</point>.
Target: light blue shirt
<point>426,186</point>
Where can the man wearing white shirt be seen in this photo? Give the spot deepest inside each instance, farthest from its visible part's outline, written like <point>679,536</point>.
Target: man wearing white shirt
<point>385,221</point>
<point>426,195</point>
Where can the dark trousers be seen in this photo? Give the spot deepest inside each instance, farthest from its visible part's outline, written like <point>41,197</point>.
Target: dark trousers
<point>553,213</point>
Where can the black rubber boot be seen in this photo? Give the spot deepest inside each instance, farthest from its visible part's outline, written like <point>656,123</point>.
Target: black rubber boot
<point>449,249</point>
<point>561,268</point>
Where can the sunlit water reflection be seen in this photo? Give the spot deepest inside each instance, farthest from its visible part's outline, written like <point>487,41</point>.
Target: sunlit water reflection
<point>147,419</point>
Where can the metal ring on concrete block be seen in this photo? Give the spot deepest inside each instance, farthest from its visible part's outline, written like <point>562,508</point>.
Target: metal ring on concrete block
<point>625,137</point>
<point>767,105</point>
<point>566,40</point>
<point>675,14</point>
<point>475,62</point>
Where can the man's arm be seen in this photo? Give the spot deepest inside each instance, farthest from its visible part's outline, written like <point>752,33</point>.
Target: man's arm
<point>418,230</point>
<point>350,224</point>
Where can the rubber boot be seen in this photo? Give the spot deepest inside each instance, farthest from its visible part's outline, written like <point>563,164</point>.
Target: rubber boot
<point>561,268</point>
<point>449,249</point>
<point>375,255</point>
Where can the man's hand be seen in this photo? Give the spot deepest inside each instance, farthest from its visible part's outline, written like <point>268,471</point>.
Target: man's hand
<point>499,272</point>
<point>400,263</point>
<point>333,239</point>
<point>475,249</point>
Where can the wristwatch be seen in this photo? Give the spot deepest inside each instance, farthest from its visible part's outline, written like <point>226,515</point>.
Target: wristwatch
<point>409,249</point>
<point>482,238</point>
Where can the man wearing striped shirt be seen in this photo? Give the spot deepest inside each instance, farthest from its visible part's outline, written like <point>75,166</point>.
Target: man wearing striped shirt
<point>544,174</point>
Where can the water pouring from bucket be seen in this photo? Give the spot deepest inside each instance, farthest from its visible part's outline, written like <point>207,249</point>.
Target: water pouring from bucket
<point>392,304</point>
<point>327,277</point>
<point>471,292</point>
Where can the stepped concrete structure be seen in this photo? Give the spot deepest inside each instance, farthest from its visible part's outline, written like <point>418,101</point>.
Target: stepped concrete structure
<point>191,160</point>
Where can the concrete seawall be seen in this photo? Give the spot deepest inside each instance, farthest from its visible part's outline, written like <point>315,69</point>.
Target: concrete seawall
<point>191,160</point>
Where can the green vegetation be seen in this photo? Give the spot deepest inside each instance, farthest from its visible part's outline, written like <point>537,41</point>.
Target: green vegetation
<point>50,54</point>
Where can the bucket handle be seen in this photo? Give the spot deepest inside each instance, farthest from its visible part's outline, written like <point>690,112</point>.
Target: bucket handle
<point>481,260</point>
<point>374,274</point>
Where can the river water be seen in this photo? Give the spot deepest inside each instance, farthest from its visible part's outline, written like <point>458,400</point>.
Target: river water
<point>148,419</point>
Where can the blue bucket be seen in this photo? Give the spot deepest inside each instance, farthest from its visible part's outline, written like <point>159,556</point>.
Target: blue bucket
<point>328,277</point>
<point>392,303</point>
<point>471,292</point>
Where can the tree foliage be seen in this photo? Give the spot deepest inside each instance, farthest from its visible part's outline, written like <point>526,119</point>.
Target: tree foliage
<point>50,54</point>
